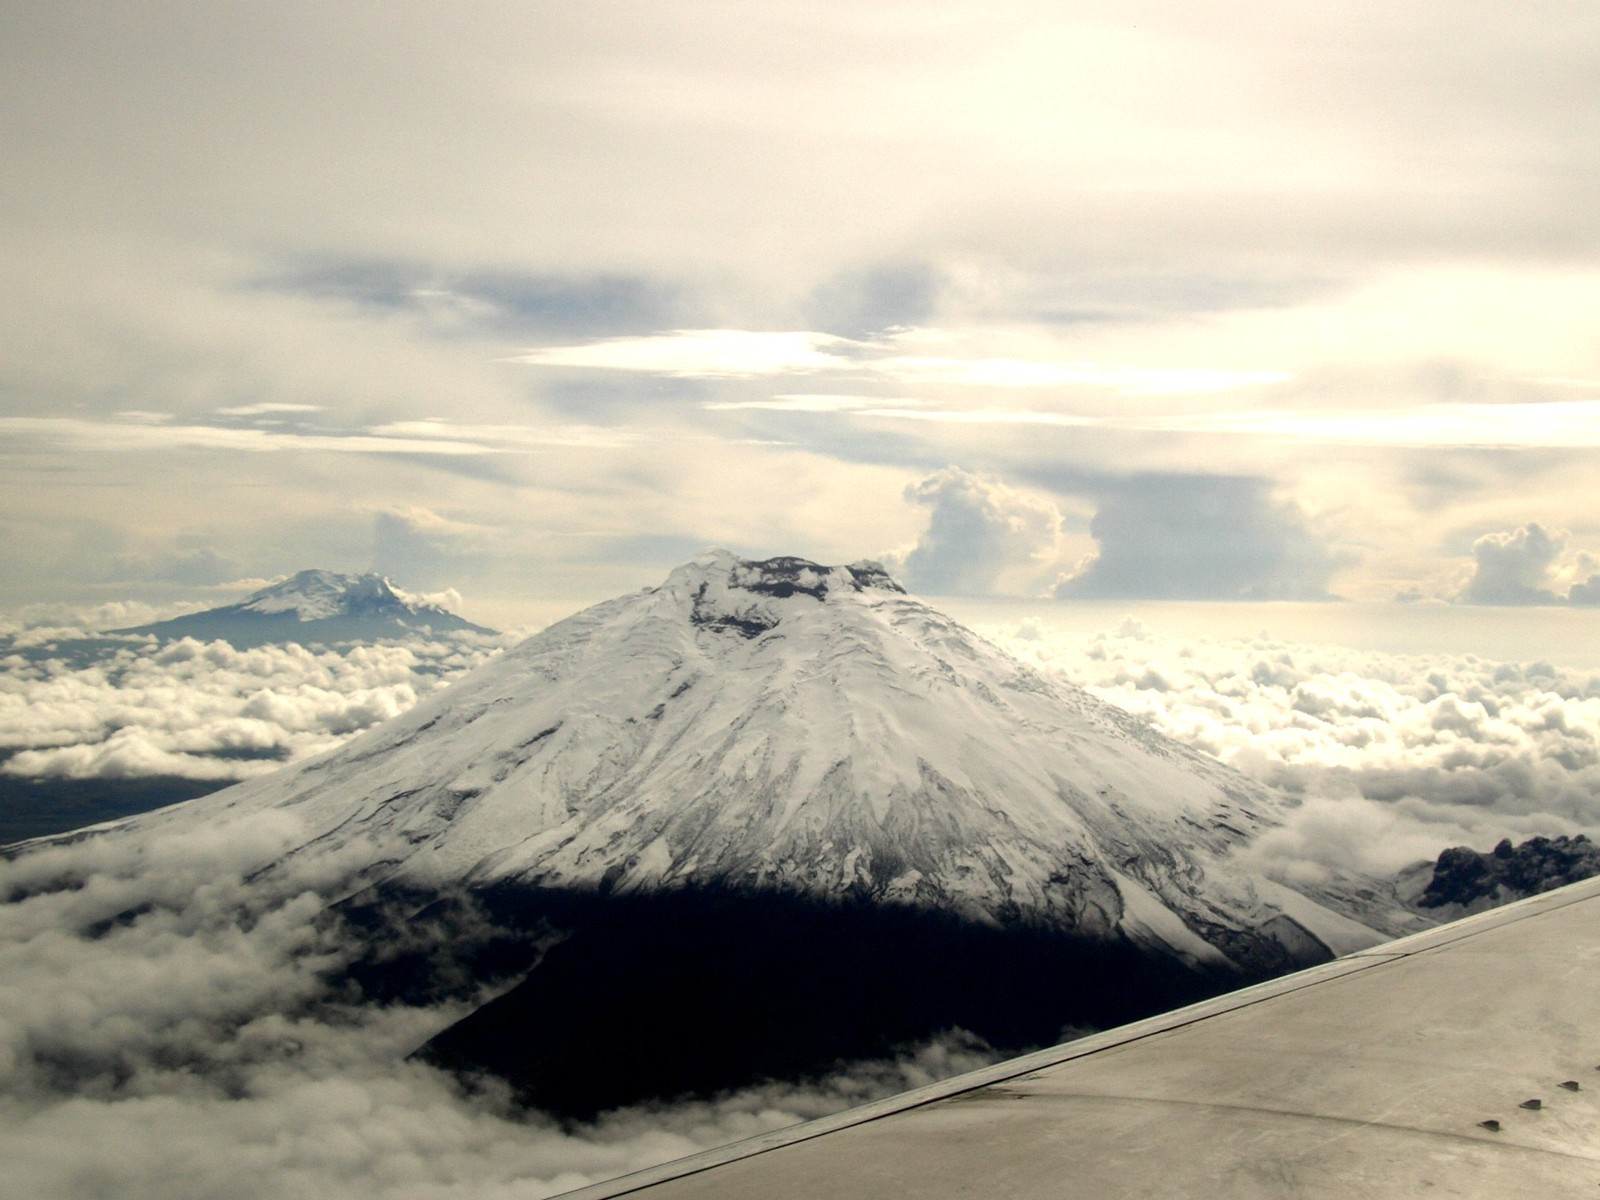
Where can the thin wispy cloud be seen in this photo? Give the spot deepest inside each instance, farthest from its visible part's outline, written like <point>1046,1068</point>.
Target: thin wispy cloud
<point>1569,424</point>
<point>985,416</point>
<point>394,437</point>
<point>1124,380</point>
<point>510,437</point>
<point>720,353</point>
<point>268,409</point>
<point>820,402</point>
<point>703,353</point>
<point>124,436</point>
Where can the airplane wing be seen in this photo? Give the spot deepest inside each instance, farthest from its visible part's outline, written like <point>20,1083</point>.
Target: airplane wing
<point>1463,1061</point>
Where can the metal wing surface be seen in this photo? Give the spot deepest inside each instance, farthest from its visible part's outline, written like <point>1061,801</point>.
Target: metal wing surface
<point>1464,1061</point>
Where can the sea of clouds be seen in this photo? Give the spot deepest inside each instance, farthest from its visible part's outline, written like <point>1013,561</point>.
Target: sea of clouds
<point>1393,757</point>
<point>171,1026</point>
<point>207,710</point>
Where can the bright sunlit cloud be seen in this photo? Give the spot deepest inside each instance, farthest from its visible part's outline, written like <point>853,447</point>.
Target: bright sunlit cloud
<point>712,353</point>
<point>703,353</point>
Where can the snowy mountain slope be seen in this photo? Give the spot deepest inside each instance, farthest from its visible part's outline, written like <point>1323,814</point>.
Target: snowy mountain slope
<point>812,731</point>
<point>315,607</point>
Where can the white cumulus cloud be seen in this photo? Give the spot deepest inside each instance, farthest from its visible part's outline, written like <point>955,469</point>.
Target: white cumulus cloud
<point>980,532</point>
<point>1530,565</point>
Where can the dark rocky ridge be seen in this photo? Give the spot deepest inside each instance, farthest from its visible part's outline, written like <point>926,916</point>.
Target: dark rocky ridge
<point>781,578</point>
<point>1467,880</point>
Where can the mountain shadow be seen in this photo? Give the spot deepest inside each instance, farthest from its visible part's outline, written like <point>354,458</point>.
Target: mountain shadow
<point>697,991</point>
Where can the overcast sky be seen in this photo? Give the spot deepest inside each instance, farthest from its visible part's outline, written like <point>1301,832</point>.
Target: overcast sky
<point>1088,300</point>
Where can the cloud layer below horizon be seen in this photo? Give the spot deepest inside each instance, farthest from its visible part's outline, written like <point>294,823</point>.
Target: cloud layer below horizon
<point>1393,757</point>
<point>208,711</point>
<point>175,1023</point>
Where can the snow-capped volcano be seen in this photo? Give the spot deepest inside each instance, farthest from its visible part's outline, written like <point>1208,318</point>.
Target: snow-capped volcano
<point>316,606</point>
<point>786,726</point>
<point>785,738</point>
<point>318,595</point>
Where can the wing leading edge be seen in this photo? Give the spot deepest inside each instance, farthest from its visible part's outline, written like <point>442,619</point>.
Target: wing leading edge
<point>1405,1070</point>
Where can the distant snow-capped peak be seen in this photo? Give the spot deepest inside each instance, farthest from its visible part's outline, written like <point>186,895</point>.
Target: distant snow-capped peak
<point>318,607</point>
<point>319,595</point>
